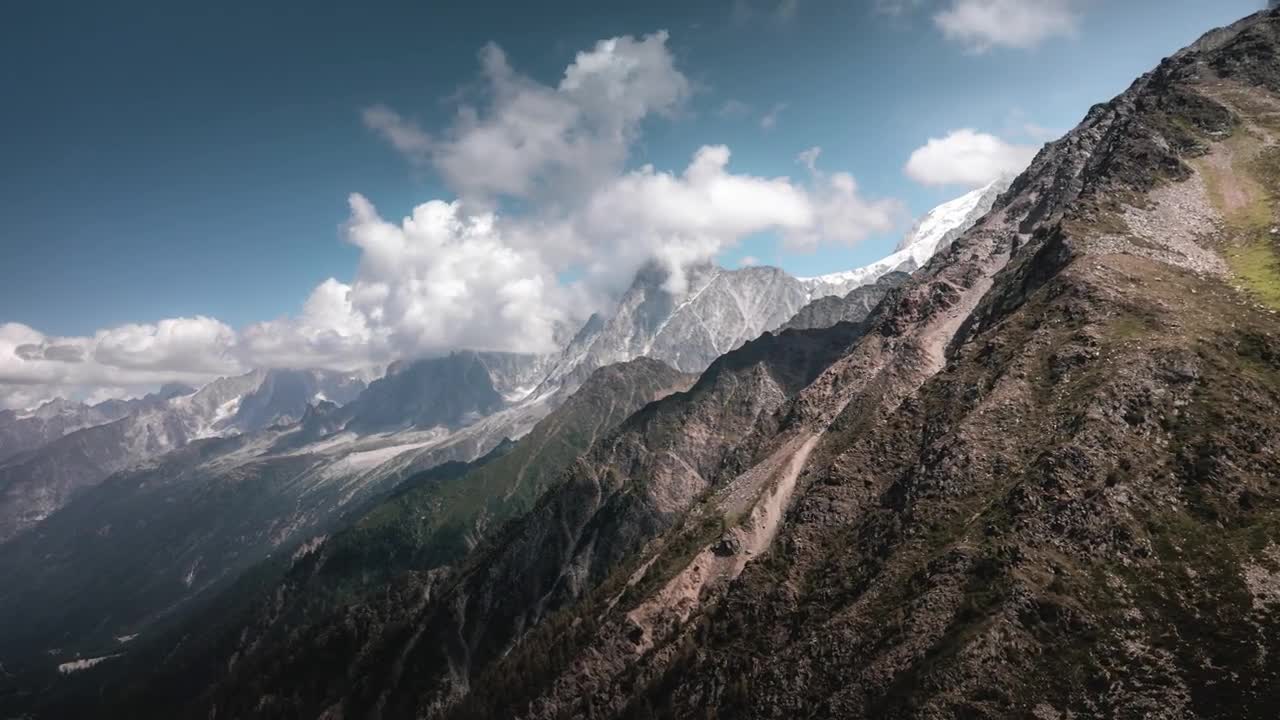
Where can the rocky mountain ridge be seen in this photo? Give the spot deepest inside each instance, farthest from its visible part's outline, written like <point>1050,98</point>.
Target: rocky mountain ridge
<point>23,431</point>
<point>1038,480</point>
<point>1038,486</point>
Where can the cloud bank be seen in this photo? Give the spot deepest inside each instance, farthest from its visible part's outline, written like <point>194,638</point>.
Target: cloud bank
<point>466,273</point>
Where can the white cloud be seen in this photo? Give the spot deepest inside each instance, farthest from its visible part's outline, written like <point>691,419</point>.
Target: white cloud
<point>446,277</point>
<point>809,158</point>
<point>35,367</point>
<point>840,214</point>
<point>984,24</point>
<point>749,261</point>
<point>687,218</point>
<point>199,345</point>
<point>967,157</point>
<point>328,333</point>
<point>526,138</point>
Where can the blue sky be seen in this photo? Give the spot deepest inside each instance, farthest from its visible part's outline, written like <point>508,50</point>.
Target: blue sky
<point>177,159</point>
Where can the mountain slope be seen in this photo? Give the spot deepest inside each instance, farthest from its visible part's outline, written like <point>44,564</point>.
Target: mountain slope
<point>853,307</point>
<point>1039,480</point>
<point>1062,505</point>
<point>686,439</point>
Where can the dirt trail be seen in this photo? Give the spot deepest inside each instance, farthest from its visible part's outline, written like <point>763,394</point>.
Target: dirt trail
<point>767,517</point>
<point>765,491</point>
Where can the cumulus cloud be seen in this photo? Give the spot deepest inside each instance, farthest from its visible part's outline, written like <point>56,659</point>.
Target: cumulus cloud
<point>524,137</point>
<point>841,214</point>
<point>967,157</point>
<point>986,24</point>
<point>467,272</point>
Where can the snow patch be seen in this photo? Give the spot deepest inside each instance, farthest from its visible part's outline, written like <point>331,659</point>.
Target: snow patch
<point>75,666</point>
<point>360,461</point>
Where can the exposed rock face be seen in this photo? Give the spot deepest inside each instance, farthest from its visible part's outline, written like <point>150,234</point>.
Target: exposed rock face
<point>1038,480</point>
<point>447,391</point>
<point>720,310</point>
<point>284,396</point>
<point>854,307</point>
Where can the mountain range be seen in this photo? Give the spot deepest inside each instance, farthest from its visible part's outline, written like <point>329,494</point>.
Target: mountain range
<point>1023,467</point>
<point>1038,479</point>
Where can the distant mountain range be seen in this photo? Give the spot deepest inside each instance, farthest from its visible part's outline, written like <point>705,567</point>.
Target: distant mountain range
<point>36,482</point>
<point>22,431</point>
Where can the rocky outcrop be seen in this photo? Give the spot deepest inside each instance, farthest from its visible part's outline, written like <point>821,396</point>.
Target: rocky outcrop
<point>717,312</point>
<point>853,307</point>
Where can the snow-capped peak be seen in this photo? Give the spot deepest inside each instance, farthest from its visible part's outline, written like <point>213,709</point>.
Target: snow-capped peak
<point>936,230</point>
<point>951,219</point>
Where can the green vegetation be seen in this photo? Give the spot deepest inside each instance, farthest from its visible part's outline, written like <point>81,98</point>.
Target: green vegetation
<point>1258,265</point>
<point>1246,193</point>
